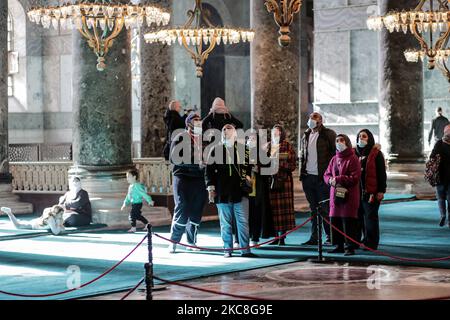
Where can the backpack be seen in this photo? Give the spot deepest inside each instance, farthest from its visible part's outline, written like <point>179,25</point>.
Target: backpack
<point>432,170</point>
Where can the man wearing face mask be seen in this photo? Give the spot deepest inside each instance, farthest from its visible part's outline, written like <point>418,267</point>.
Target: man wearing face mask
<point>316,150</point>
<point>189,190</point>
<point>227,170</point>
<point>442,148</point>
<point>77,205</point>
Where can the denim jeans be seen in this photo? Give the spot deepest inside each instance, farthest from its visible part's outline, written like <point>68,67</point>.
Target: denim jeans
<point>240,213</point>
<point>443,196</point>
<point>316,191</point>
<point>190,197</point>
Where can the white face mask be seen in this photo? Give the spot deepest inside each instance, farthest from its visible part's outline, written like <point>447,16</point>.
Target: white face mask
<point>251,143</point>
<point>312,124</point>
<point>362,143</point>
<point>340,146</point>
<point>197,130</point>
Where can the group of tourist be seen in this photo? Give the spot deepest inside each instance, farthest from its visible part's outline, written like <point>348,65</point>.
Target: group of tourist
<point>342,183</point>
<point>345,184</point>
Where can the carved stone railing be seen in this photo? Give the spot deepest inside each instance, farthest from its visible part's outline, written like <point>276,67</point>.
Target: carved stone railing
<point>156,174</point>
<point>52,177</point>
<point>40,177</point>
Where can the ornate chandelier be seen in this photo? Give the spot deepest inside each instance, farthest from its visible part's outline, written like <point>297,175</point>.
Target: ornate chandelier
<point>429,22</point>
<point>283,13</point>
<point>99,21</point>
<point>199,36</point>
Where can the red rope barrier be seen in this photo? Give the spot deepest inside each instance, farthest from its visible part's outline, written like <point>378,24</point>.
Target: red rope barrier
<point>82,286</point>
<point>235,249</point>
<point>132,290</point>
<point>208,290</point>
<point>384,253</point>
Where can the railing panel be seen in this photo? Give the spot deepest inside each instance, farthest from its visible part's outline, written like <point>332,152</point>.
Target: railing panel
<point>52,177</point>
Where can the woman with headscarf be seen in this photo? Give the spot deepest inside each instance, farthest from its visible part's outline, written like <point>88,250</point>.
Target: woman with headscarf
<point>282,185</point>
<point>442,148</point>
<point>373,187</point>
<point>218,116</point>
<point>343,175</point>
<point>77,205</point>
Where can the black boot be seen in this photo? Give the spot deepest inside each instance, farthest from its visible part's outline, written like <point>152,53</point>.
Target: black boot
<point>338,249</point>
<point>442,222</point>
<point>281,242</point>
<point>275,242</point>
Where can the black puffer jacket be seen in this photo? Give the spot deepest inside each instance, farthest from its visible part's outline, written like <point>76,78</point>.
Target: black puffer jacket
<point>326,149</point>
<point>443,149</point>
<point>173,121</point>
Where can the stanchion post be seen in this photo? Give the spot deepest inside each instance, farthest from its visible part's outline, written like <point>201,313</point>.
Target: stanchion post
<point>149,265</point>
<point>319,236</point>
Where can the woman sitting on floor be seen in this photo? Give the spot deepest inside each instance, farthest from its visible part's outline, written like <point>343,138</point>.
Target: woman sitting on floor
<point>78,211</point>
<point>51,219</point>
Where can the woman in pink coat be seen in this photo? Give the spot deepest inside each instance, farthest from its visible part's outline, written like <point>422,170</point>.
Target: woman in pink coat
<point>344,171</point>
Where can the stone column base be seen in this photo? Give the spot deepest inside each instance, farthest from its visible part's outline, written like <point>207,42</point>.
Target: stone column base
<point>9,199</point>
<point>409,178</point>
<point>107,188</point>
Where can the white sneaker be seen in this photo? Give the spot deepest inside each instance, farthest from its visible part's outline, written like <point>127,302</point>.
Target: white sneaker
<point>172,248</point>
<point>236,245</point>
<point>253,243</point>
<point>6,210</point>
<point>132,230</point>
<point>192,249</point>
<point>146,227</point>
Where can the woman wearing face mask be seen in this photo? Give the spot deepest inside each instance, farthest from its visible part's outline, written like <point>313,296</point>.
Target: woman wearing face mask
<point>282,197</point>
<point>344,171</point>
<point>373,187</point>
<point>77,205</point>
<point>442,148</point>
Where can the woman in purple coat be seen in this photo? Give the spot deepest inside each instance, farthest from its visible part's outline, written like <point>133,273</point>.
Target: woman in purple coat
<point>344,171</point>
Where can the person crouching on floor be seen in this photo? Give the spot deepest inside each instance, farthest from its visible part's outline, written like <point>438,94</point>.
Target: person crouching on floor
<point>51,219</point>
<point>136,192</point>
<point>343,175</point>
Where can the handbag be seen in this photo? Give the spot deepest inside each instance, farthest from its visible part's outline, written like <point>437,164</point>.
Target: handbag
<point>277,183</point>
<point>432,170</point>
<point>340,196</point>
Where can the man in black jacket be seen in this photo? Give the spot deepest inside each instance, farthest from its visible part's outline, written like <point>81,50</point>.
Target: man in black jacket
<point>226,172</point>
<point>437,126</point>
<point>188,182</point>
<point>318,146</point>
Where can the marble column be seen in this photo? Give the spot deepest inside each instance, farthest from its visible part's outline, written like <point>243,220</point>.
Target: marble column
<point>156,91</point>
<point>7,198</point>
<point>102,125</point>
<point>400,93</point>
<point>275,74</point>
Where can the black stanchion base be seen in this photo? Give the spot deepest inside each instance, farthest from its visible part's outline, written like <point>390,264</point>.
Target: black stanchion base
<point>323,260</point>
<point>155,288</point>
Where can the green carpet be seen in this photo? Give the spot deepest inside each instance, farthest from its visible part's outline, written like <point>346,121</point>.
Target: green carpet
<point>39,265</point>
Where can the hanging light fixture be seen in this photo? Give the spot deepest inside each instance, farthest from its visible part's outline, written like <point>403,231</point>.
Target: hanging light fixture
<point>283,13</point>
<point>429,23</point>
<point>199,36</point>
<point>99,21</point>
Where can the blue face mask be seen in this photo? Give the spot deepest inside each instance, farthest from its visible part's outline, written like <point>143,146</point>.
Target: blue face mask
<point>312,124</point>
<point>341,146</point>
<point>362,143</point>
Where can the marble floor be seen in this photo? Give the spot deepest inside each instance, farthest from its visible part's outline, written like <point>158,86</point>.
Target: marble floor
<point>311,281</point>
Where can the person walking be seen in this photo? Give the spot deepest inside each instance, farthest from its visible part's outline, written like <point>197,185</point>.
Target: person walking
<point>442,148</point>
<point>343,175</point>
<point>437,126</point>
<point>317,147</point>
